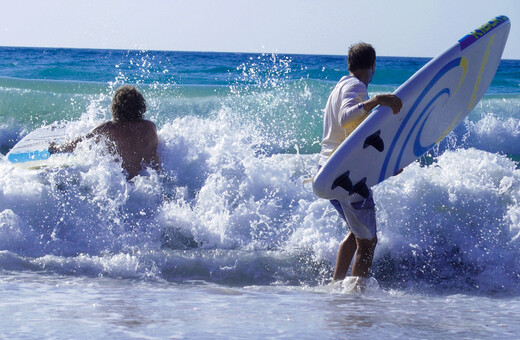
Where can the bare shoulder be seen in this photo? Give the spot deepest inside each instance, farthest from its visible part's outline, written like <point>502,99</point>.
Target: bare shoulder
<point>145,129</point>
<point>148,128</point>
<point>149,124</point>
<point>102,128</point>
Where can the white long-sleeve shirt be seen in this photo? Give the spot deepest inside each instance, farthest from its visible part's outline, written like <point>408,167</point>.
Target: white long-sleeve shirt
<point>343,114</point>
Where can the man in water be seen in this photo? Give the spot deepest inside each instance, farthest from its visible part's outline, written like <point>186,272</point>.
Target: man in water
<point>348,105</point>
<point>128,134</point>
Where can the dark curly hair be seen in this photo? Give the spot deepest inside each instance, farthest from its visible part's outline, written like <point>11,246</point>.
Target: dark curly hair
<point>361,56</point>
<point>128,104</point>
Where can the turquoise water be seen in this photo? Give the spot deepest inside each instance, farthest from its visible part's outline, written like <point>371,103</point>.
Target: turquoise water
<point>226,242</point>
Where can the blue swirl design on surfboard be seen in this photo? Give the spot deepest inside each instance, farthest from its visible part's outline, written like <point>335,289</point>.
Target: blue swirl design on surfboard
<point>418,148</point>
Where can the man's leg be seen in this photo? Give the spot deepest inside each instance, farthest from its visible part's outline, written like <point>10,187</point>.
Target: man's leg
<point>364,257</point>
<point>346,251</point>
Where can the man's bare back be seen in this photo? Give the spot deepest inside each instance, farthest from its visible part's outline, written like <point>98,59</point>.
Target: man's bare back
<point>129,135</point>
<point>135,142</point>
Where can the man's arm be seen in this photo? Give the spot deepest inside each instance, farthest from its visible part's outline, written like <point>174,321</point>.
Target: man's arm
<point>70,146</point>
<point>390,100</point>
<point>352,110</point>
<point>66,147</point>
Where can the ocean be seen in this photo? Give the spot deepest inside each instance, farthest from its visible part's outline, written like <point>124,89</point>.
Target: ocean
<point>227,242</point>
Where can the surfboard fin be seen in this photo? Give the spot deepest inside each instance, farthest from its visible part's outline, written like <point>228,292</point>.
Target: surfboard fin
<point>361,188</point>
<point>343,181</point>
<point>375,141</point>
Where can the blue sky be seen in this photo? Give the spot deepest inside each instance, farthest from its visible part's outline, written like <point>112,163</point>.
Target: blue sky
<point>422,28</point>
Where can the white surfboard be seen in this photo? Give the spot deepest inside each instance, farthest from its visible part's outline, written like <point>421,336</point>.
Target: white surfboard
<point>436,99</point>
<point>31,152</point>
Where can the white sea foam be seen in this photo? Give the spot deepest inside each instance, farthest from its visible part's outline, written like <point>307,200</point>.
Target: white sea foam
<point>221,202</point>
<point>230,198</point>
<point>453,219</point>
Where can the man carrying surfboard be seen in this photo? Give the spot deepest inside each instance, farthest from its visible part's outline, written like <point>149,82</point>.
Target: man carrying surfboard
<point>128,134</point>
<point>348,105</point>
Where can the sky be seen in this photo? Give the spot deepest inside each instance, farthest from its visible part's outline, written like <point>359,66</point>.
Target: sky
<point>409,28</point>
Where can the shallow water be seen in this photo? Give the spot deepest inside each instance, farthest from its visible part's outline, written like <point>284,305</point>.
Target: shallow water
<point>37,305</point>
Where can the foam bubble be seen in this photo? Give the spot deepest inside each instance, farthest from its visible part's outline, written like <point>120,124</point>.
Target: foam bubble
<point>494,134</point>
<point>15,234</point>
<point>451,222</point>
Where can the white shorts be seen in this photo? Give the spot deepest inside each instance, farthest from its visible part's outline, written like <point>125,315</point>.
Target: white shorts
<point>360,217</point>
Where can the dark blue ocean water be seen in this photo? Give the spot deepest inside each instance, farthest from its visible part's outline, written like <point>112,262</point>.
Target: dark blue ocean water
<point>228,227</point>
